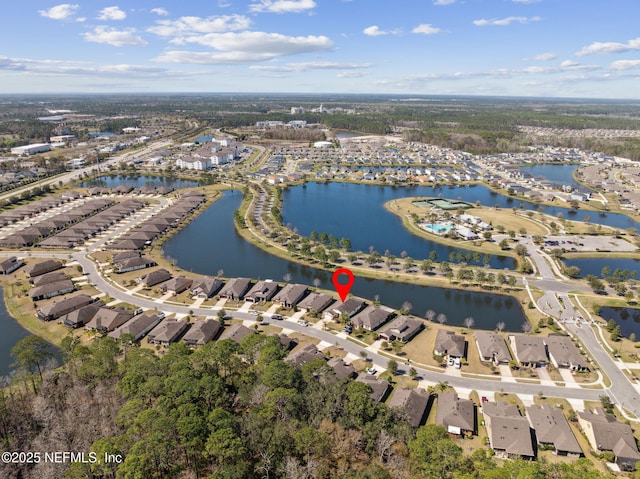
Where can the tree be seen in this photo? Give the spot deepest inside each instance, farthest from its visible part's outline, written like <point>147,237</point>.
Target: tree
<point>434,453</point>
<point>469,322</point>
<point>413,372</point>
<point>504,244</point>
<point>430,314</point>
<point>426,266</point>
<point>616,334</point>
<point>31,353</point>
<point>392,366</point>
<point>572,271</point>
<point>521,250</point>
<point>442,318</point>
<point>526,327</point>
<point>406,307</point>
<point>500,326</point>
<point>632,337</point>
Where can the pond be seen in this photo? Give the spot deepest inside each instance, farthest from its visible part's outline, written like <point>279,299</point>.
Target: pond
<point>138,181</point>
<point>556,174</point>
<point>594,265</point>
<point>627,318</point>
<point>210,244</point>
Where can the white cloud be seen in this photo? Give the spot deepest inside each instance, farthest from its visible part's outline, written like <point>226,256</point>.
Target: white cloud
<point>600,48</point>
<point>350,74</point>
<point>426,29</point>
<point>625,64</point>
<point>192,25</point>
<point>569,64</point>
<point>282,6</point>
<point>306,66</point>
<point>111,36</point>
<point>444,2</point>
<point>160,11</point>
<point>545,56</point>
<point>245,47</point>
<point>374,31</point>
<point>63,11</point>
<point>504,21</point>
<point>112,13</point>
<point>58,67</point>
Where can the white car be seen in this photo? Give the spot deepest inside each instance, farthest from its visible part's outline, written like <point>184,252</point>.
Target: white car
<point>372,370</point>
<point>254,313</point>
<point>457,363</point>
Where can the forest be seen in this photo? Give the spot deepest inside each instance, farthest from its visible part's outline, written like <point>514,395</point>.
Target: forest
<point>227,410</point>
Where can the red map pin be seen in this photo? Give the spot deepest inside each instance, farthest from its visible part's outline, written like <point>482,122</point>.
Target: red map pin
<point>342,289</point>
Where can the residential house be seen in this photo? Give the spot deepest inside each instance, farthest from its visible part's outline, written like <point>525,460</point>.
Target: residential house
<point>450,344</point>
<point>51,289</point>
<point>137,327</point>
<point>529,350</point>
<point>415,401</point>
<point>205,287</point>
<point>262,291</point>
<point>290,295</point>
<point>201,332</point>
<point>168,331</point>
<point>235,288</point>
<point>350,307</point>
<point>492,347</point>
<point>509,433</point>
<point>315,303</point>
<point>564,354</point>
<point>402,328</point>
<point>552,429</point>
<point>236,332</point>
<point>79,317</point>
<point>177,285</point>
<point>605,433</point>
<point>48,278</point>
<point>57,309</point>
<point>457,416</point>
<point>304,355</point>
<point>133,264</point>
<point>343,370</point>
<point>107,319</point>
<point>379,388</point>
<point>154,277</point>
<point>42,267</point>
<point>9,265</point>
<point>372,317</point>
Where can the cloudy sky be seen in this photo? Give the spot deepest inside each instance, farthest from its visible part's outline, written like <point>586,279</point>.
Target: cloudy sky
<point>572,48</point>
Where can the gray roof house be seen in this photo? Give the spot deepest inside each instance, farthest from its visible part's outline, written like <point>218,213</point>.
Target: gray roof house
<point>262,291</point>
<point>457,416</point>
<point>133,264</point>
<point>372,317</point>
<point>379,387</point>
<point>42,267</point>
<point>605,433</point>
<point>235,288</point>
<point>351,307</point>
<point>552,428</point>
<point>510,434</point>
<point>290,295</point>
<point>168,331</point>
<point>402,328</point>
<point>154,277</point>
<point>302,356</point>
<point>449,344</point>
<point>47,278</point>
<point>529,350</point>
<point>343,370</point>
<point>80,317</point>
<point>563,353</point>
<point>9,265</point>
<point>65,306</point>
<point>414,401</point>
<point>237,333</point>
<point>107,319</point>
<point>202,332</point>
<point>137,327</point>
<point>492,347</point>
<point>206,287</point>
<point>317,302</point>
<point>51,289</point>
<point>178,284</point>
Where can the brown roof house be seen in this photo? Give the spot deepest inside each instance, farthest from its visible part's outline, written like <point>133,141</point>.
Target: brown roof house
<point>42,267</point>
<point>552,429</point>
<point>605,433</point>
<point>492,347</point>
<point>457,416</point>
<point>154,277</point>
<point>9,265</point>
<point>343,370</point>
<point>133,264</point>
<point>379,387</point>
<point>449,344</point>
<point>57,309</point>
<point>80,317</point>
<point>177,285</point>
<point>372,317</point>
<point>137,327</point>
<point>510,434</point>
<point>107,319</point>
<point>51,289</point>
<point>350,307</point>
<point>415,401</point>
<point>529,350</point>
<point>262,291</point>
<point>237,333</point>
<point>168,331</point>
<point>315,302</point>
<point>402,328</point>
<point>202,332</point>
<point>205,287</point>
<point>290,295</point>
<point>235,288</point>
<point>304,355</point>
<point>564,354</point>
<point>48,278</point>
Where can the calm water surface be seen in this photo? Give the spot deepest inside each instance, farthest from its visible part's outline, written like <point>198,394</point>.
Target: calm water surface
<point>627,318</point>
<point>558,174</point>
<point>210,243</point>
<point>138,181</point>
<point>594,265</point>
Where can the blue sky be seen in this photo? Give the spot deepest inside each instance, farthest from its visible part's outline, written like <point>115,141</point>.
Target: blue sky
<point>572,48</point>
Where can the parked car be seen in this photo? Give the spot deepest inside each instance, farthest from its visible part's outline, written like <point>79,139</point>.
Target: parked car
<point>276,316</point>
<point>371,370</point>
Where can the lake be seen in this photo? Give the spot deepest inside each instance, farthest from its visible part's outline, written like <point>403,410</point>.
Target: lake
<point>627,318</point>
<point>138,181</point>
<point>557,174</point>
<point>210,243</point>
<point>594,265</point>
